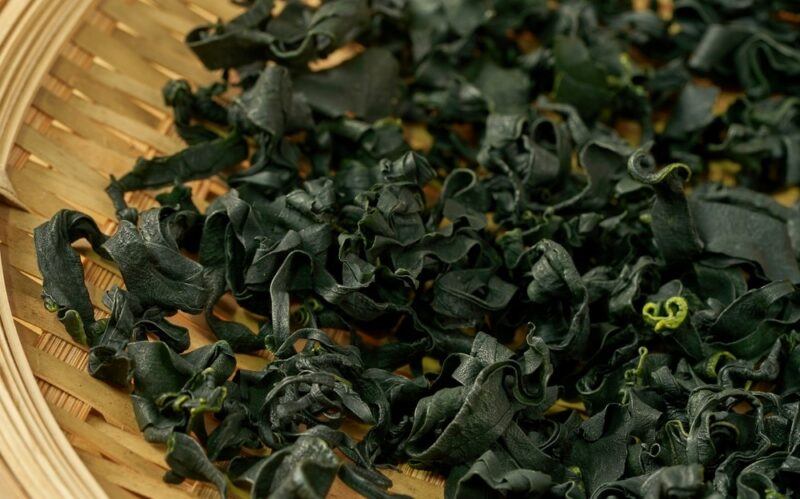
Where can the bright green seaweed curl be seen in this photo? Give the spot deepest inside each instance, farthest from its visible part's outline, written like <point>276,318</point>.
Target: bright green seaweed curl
<point>676,309</point>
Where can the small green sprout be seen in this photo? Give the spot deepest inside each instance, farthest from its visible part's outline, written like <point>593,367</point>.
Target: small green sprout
<point>676,309</point>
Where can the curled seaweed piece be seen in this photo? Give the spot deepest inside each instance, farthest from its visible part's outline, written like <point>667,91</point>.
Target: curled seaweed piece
<point>671,220</point>
<point>676,309</point>
<point>714,360</point>
<point>642,172</point>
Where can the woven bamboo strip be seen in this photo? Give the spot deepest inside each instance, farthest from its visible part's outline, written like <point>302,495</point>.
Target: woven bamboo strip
<point>179,16</point>
<point>152,453</point>
<point>124,83</point>
<point>92,153</point>
<point>11,484</point>
<point>67,114</point>
<point>220,10</point>
<point>32,445</point>
<point>124,58</point>
<point>105,444</point>
<point>114,491</point>
<point>30,35</point>
<point>128,126</point>
<point>130,479</point>
<point>74,76</point>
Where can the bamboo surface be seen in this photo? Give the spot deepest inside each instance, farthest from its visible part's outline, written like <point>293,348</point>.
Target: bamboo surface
<point>81,100</point>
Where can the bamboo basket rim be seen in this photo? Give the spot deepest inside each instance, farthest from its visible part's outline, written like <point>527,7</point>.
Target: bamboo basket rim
<point>38,459</point>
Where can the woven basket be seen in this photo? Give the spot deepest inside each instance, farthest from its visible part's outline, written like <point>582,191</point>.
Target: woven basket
<point>81,99</point>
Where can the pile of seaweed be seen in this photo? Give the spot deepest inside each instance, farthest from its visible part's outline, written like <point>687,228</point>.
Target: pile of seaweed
<point>534,304</point>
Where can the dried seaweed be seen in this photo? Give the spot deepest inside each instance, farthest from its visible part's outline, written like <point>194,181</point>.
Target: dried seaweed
<point>533,303</point>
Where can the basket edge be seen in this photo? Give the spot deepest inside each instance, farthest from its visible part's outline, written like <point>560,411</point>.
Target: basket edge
<point>32,33</point>
<point>33,448</point>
